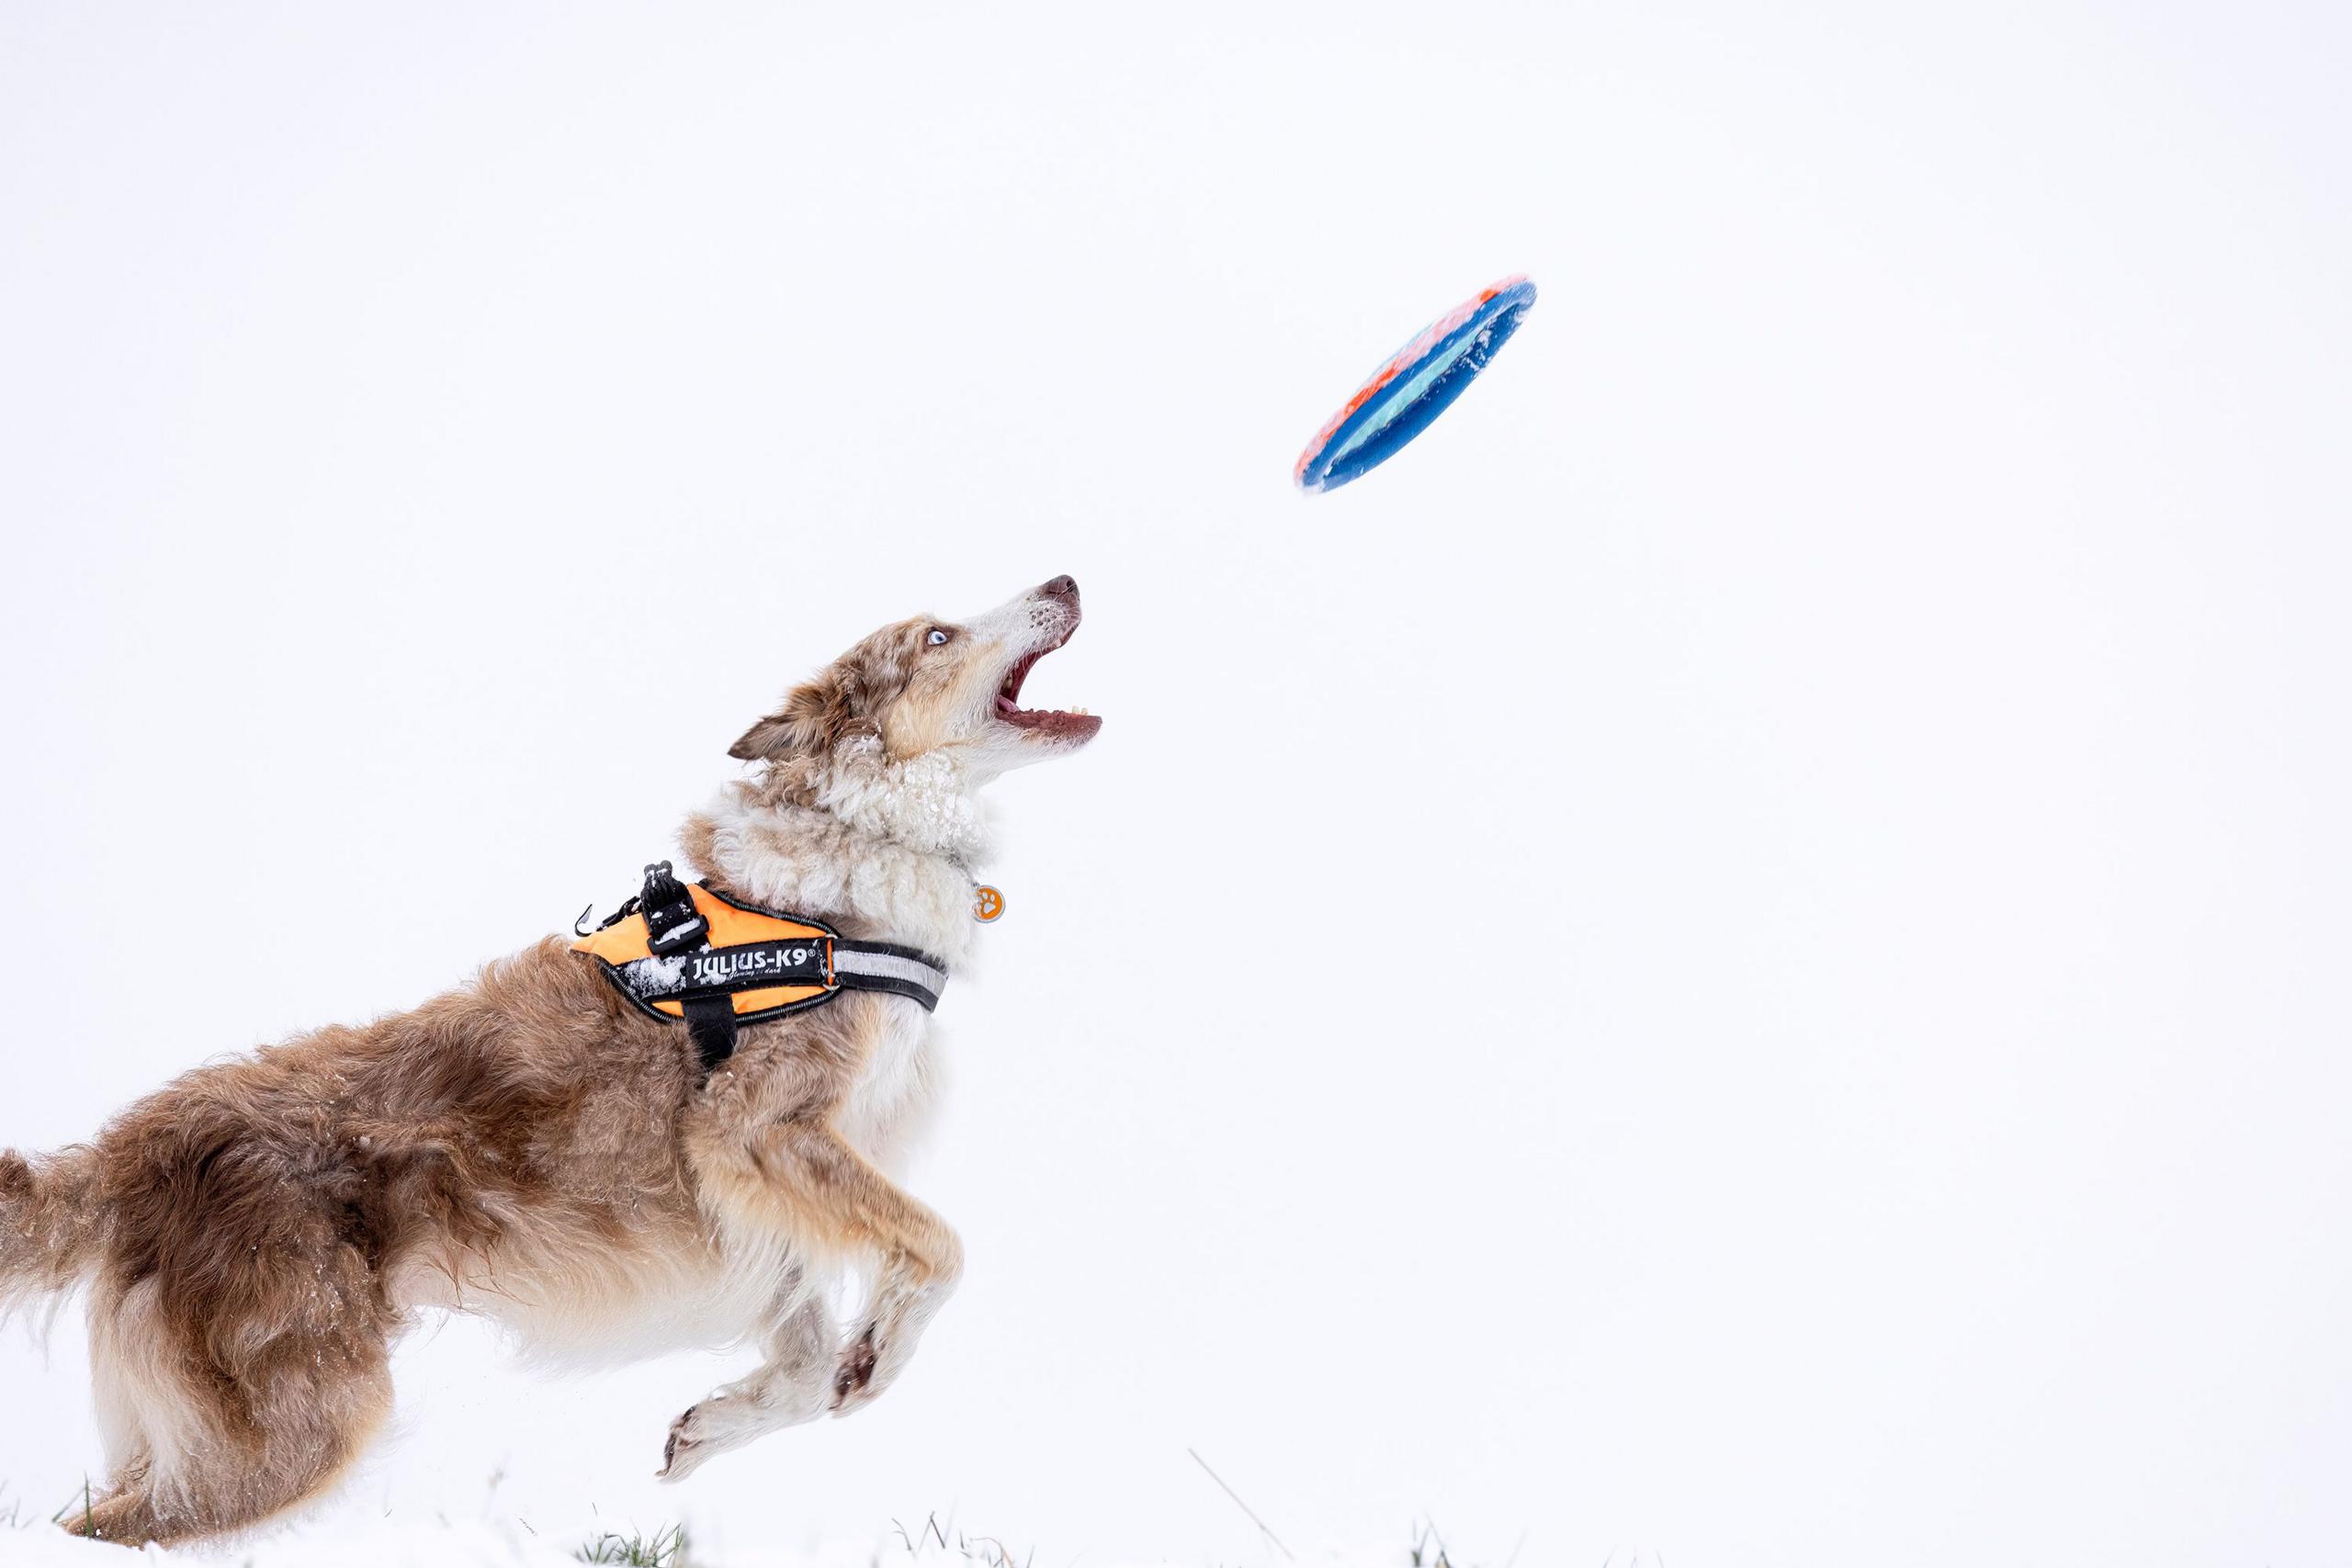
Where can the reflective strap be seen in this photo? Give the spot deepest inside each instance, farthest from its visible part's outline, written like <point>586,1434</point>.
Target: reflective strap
<point>875,966</point>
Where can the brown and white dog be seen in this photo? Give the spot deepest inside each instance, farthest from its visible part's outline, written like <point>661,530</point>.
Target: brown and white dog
<point>532,1148</point>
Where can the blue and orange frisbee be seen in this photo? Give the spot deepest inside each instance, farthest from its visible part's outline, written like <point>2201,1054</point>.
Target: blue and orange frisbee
<point>1415,386</point>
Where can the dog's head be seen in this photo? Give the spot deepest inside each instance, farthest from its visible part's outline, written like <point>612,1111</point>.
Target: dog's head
<point>933,687</point>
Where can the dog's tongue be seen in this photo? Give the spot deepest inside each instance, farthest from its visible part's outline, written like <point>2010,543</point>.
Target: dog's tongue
<point>1054,721</point>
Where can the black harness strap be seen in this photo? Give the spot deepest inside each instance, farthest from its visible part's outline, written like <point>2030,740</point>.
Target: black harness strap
<point>710,1024</point>
<point>673,926</point>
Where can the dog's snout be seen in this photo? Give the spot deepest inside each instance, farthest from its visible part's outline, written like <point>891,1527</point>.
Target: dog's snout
<point>1062,587</point>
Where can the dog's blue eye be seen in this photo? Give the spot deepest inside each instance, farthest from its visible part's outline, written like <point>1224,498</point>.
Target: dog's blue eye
<point>937,637</point>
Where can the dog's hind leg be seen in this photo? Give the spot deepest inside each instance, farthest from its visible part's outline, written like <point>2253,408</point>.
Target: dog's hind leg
<point>277,1438</point>
<point>792,1385</point>
<point>227,1405</point>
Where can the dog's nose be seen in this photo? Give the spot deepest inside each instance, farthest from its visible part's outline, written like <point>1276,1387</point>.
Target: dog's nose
<point>1063,587</point>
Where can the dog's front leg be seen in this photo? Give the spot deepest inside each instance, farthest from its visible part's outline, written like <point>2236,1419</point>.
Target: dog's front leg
<point>851,1206</point>
<point>792,1385</point>
<point>796,1183</point>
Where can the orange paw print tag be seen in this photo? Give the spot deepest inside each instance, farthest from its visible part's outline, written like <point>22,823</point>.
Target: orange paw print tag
<point>987,904</point>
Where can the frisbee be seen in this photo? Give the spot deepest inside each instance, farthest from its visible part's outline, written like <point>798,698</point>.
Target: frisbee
<point>1413,388</point>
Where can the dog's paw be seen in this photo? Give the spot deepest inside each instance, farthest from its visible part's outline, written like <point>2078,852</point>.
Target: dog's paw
<point>685,1449</point>
<point>733,1417</point>
<point>872,1363</point>
<point>854,1382</point>
<point>706,1430</point>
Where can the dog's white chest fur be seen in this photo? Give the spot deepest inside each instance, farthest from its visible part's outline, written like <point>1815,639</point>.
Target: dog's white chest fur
<point>901,884</point>
<point>889,1108</point>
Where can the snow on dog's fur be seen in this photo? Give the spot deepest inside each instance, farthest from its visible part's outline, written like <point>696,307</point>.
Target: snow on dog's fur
<point>532,1148</point>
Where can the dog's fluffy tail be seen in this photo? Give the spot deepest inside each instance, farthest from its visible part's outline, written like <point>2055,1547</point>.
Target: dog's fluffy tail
<point>50,1224</point>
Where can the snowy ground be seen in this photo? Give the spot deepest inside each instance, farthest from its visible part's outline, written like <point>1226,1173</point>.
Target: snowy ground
<point>930,1542</point>
<point>427,1545</point>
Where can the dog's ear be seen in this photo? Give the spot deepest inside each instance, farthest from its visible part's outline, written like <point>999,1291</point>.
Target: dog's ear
<point>817,716</point>
<point>843,703</point>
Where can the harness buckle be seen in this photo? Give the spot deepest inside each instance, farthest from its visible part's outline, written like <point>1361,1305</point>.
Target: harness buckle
<point>673,924</point>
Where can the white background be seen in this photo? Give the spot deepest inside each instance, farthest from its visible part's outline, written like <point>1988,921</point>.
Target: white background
<point>1781,871</point>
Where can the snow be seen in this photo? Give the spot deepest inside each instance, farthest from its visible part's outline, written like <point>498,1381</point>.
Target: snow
<point>655,975</point>
<point>486,1543</point>
<point>386,1544</point>
<point>1865,666</point>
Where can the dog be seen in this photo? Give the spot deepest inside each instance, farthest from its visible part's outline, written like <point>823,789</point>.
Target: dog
<point>534,1148</point>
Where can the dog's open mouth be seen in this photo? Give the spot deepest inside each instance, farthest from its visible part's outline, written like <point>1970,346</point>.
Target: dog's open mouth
<point>1075,724</point>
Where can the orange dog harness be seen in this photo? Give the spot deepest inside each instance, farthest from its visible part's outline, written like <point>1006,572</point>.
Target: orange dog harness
<point>695,956</point>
